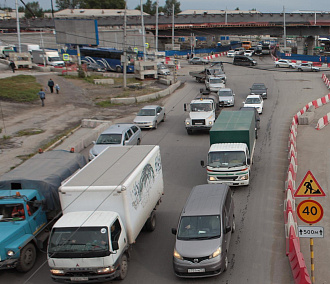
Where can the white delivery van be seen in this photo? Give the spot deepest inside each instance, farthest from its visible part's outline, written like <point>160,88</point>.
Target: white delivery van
<point>105,206</point>
<point>48,57</point>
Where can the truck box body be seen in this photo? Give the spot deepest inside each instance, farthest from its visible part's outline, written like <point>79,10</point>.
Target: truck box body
<point>127,180</point>
<point>122,186</point>
<point>234,127</point>
<point>232,140</point>
<point>33,187</point>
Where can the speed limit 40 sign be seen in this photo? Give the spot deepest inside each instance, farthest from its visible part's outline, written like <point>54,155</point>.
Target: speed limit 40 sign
<point>310,211</point>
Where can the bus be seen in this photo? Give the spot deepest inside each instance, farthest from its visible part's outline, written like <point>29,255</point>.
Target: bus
<point>110,58</point>
<point>247,44</point>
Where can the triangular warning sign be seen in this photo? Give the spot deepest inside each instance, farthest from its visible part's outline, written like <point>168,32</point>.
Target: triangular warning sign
<point>309,187</point>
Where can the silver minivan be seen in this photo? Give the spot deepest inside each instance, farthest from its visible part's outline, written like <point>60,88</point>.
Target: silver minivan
<point>204,232</point>
<point>120,134</point>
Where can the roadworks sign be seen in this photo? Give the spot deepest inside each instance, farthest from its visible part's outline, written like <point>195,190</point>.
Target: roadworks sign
<point>309,187</point>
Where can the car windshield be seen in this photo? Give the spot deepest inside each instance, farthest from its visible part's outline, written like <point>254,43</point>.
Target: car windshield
<point>147,112</point>
<point>215,80</point>
<point>196,107</point>
<point>89,240</point>
<point>226,159</point>
<point>199,227</point>
<point>109,139</point>
<point>252,101</point>
<point>225,94</point>
<point>161,66</point>
<point>258,87</point>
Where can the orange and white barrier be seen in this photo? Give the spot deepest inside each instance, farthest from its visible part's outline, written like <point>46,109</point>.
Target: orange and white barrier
<point>216,55</point>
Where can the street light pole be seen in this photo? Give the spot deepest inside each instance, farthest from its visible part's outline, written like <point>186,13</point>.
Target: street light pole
<point>143,32</point>
<point>18,28</point>
<point>125,48</point>
<point>157,25</point>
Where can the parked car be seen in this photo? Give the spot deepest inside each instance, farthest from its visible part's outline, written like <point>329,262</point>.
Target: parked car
<point>198,60</point>
<point>248,52</point>
<point>244,60</point>
<point>231,53</point>
<point>120,134</point>
<point>285,63</point>
<point>254,101</point>
<point>150,116</point>
<point>307,67</point>
<point>202,238</point>
<point>94,66</point>
<point>162,69</point>
<point>259,89</point>
<point>226,97</point>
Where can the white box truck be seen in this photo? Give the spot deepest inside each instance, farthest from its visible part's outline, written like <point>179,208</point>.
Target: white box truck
<point>105,206</point>
<point>48,57</point>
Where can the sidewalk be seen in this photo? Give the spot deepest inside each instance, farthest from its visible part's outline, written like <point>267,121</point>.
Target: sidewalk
<point>313,153</point>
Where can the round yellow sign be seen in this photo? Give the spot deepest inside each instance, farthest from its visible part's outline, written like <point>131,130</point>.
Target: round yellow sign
<point>310,211</point>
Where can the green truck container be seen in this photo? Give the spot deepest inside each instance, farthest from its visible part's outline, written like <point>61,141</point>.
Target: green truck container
<point>234,127</point>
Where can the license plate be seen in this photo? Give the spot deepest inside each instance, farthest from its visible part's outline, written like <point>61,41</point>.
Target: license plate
<point>78,278</point>
<point>196,270</point>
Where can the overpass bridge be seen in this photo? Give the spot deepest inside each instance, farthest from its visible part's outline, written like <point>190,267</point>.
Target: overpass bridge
<point>248,23</point>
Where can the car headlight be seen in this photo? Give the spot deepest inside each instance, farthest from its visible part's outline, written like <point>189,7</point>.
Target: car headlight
<point>10,253</point>
<point>187,122</point>
<point>216,253</point>
<point>177,255</point>
<point>243,177</point>
<point>57,272</point>
<point>212,178</point>
<point>106,270</point>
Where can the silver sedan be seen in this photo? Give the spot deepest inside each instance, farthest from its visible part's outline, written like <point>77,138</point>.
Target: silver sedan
<point>198,60</point>
<point>150,116</point>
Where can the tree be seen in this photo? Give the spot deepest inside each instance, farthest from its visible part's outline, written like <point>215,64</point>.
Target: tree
<point>68,4</point>
<point>35,8</point>
<point>168,7</point>
<point>148,7</point>
<point>104,4</point>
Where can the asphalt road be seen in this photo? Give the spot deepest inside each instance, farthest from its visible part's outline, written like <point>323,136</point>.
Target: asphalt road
<point>257,249</point>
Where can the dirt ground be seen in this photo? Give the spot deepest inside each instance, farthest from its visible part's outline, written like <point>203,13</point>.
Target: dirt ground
<point>61,112</point>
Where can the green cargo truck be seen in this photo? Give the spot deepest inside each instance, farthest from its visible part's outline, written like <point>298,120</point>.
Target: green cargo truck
<point>232,140</point>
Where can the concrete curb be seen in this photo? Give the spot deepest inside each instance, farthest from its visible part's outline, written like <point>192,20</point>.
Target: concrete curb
<point>145,98</point>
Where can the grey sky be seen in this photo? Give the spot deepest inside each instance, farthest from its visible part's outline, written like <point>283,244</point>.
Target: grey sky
<point>262,6</point>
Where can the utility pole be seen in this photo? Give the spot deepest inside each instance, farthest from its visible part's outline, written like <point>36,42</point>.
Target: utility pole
<point>284,31</point>
<point>173,27</point>
<point>143,32</point>
<point>18,29</point>
<point>157,25</point>
<point>125,48</point>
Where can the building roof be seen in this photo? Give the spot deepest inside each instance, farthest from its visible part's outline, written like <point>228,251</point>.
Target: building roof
<point>67,13</point>
<point>201,12</point>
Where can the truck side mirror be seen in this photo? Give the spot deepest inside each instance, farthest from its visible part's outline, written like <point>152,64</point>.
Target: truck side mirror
<point>94,142</point>
<point>248,161</point>
<point>228,229</point>
<point>174,231</point>
<point>185,107</point>
<point>115,245</point>
<point>202,164</point>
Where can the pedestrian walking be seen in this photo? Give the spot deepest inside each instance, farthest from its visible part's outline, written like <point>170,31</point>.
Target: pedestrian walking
<point>51,85</point>
<point>42,96</point>
<point>57,88</point>
<point>12,65</point>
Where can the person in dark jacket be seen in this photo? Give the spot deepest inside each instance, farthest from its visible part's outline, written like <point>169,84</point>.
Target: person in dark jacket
<point>51,85</point>
<point>42,96</point>
<point>12,65</point>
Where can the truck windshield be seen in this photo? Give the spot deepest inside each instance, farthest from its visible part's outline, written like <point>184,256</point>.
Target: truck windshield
<point>109,139</point>
<point>226,159</point>
<point>12,212</point>
<point>195,107</point>
<point>78,242</point>
<point>199,227</point>
<point>53,59</point>
<point>215,80</point>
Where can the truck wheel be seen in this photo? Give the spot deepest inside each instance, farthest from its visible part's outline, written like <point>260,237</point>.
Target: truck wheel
<point>123,267</point>
<point>27,258</point>
<point>189,131</point>
<point>151,222</point>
